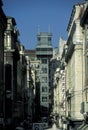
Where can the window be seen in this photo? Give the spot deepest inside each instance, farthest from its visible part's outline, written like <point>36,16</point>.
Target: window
<point>44,99</point>
<point>44,79</point>
<point>44,70</point>
<point>44,89</point>
<point>44,61</point>
<point>39,38</point>
<point>44,49</point>
<point>49,38</point>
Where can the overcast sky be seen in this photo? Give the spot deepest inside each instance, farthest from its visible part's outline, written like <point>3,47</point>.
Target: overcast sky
<point>40,15</point>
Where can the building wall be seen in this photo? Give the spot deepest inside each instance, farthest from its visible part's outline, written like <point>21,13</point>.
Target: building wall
<point>74,67</point>
<point>11,58</point>
<point>2,29</point>
<point>33,69</point>
<point>44,52</point>
<point>77,82</point>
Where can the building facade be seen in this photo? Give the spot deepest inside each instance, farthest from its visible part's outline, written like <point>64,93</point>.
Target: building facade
<point>21,104</point>
<point>3,23</point>
<point>31,84</point>
<point>11,57</point>
<point>84,104</point>
<point>72,72</point>
<point>44,52</point>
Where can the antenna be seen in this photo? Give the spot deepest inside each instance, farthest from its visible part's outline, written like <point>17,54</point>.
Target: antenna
<point>49,28</point>
<point>38,28</point>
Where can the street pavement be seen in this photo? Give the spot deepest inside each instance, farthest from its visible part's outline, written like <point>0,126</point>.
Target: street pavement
<point>53,127</point>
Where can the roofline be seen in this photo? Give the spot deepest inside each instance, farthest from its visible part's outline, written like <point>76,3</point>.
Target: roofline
<point>72,13</point>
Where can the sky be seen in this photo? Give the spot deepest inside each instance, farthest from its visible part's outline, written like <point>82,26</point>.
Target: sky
<point>33,16</point>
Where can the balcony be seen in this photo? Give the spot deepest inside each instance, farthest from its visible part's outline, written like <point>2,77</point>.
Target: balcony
<point>44,52</point>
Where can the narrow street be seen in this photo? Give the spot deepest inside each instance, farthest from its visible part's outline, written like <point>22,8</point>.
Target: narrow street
<point>44,87</point>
